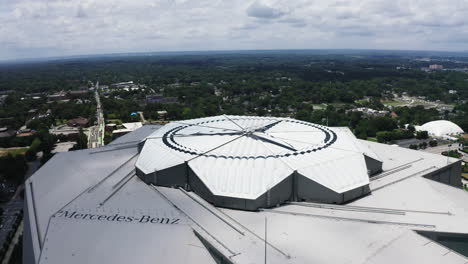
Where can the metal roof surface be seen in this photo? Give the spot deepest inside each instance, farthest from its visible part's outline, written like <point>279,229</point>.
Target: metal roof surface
<point>244,156</point>
<point>70,192</point>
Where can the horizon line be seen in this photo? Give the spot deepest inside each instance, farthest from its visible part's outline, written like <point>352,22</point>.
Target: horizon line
<point>221,51</point>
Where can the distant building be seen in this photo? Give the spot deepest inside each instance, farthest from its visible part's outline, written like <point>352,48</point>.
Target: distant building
<point>435,67</point>
<point>110,127</point>
<point>161,99</point>
<point>441,128</point>
<point>63,146</point>
<point>25,132</point>
<point>162,114</point>
<point>3,97</point>
<point>78,122</point>
<point>78,92</point>
<point>34,95</point>
<point>57,96</point>
<point>369,112</point>
<point>70,132</point>
<point>128,127</point>
<point>122,84</point>
<point>5,132</point>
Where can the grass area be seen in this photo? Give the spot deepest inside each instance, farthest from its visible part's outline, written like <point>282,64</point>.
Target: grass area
<point>362,101</point>
<point>454,154</point>
<point>13,151</point>
<point>319,106</point>
<point>394,103</point>
<point>61,122</point>
<point>373,139</point>
<point>337,105</point>
<point>114,121</point>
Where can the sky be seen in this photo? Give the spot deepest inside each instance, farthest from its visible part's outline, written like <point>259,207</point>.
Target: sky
<point>48,28</point>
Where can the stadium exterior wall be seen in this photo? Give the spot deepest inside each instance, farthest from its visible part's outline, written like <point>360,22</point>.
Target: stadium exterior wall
<point>373,166</point>
<point>293,188</point>
<point>279,194</point>
<point>171,177</point>
<point>28,252</point>
<point>309,190</point>
<point>449,175</point>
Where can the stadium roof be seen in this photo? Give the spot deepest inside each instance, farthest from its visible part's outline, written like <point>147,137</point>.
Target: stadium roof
<point>88,206</point>
<point>244,156</point>
<point>441,128</point>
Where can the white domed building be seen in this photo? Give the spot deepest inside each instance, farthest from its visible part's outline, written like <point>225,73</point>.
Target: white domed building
<point>441,128</point>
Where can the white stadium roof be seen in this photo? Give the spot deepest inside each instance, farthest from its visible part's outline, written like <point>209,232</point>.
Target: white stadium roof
<point>440,128</point>
<point>88,206</point>
<point>244,156</point>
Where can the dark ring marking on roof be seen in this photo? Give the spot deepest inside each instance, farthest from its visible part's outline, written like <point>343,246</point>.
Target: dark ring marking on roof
<point>169,139</point>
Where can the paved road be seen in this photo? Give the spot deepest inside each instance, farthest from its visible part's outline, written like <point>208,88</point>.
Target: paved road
<point>441,148</point>
<point>96,133</point>
<point>14,242</point>
<point>14,207</point>
<point>9,217</point>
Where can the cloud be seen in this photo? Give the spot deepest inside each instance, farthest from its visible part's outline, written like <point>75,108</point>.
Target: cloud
<point>81,13</point>
<point>34,28</point>
<point>262,11</point>
<point>295,22</point>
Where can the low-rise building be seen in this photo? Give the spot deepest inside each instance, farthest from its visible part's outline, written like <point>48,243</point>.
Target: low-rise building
<point>369,111</point>
<point>436,67</point>
<point>63,146</point>
<point>127,128</point>
<point>57,96</point>
<point>78,122</point>
<point>70,132</point>
<point>161,99</point>
<point>5,132</point>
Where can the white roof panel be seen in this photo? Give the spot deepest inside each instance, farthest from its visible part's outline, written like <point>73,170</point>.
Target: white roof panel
<point>257,152</point>
<point>121,242</point>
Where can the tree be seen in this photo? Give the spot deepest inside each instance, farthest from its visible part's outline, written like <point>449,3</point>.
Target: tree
<point>433,143</point>
<point>33,149</point>
<point>82,142</point>
<point>303,115</point>
<point>46,157</point>
<point>383,136</point>
<point>13,167</point>
<point>48,141</point>
<point>422,135</point>
<point>413,146</point>
<point>422,145</point>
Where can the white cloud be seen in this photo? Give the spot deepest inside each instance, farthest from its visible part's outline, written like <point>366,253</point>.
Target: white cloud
<point>35,28</point>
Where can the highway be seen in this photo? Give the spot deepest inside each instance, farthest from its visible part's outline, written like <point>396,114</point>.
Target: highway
<point>96,133</point>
